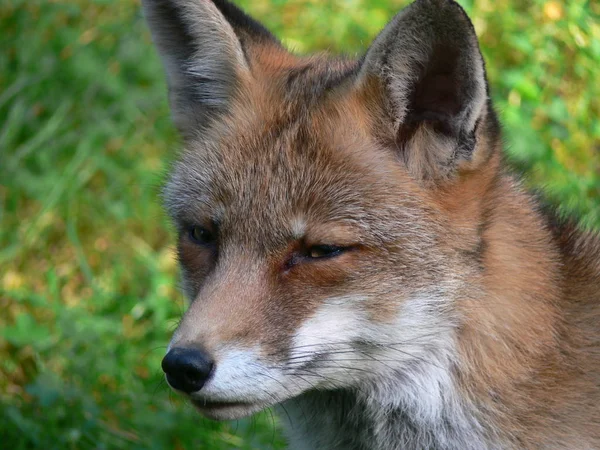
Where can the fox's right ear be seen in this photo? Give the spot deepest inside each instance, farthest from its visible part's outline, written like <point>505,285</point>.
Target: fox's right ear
<point>202,44</point>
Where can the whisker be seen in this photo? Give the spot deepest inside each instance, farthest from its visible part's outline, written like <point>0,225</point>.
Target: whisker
<point>144,355</point>
<point>273,425</point>
<point>419,358</point>
<point>343,367</point>
<point>161,383</point>
<point>275,399</point>
<point>312,348</point>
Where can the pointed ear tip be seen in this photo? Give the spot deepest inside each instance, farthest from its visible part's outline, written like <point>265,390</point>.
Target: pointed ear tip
<point>438,4</point>
<point>450,23</point>
<point>446,10</point>
<point>146,3</point>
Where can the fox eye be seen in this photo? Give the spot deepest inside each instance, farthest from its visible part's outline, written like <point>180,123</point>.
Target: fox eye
<point>201,236</point>
<point>324,251</point>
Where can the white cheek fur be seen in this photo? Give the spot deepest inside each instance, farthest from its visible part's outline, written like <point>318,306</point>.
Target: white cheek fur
<point>338,321</point>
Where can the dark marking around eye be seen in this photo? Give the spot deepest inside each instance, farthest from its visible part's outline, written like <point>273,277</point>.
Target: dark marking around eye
<point>201,236</point>
<point>324,251</point>
<point>314,253</point>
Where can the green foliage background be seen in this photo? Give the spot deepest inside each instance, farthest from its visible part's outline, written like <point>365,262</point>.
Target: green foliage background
<point>88,280</point>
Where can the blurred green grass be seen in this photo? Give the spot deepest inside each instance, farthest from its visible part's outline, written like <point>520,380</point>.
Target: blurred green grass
<point>88,281</point>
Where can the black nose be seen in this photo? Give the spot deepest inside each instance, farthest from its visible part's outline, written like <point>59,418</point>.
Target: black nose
<point>187,369</point>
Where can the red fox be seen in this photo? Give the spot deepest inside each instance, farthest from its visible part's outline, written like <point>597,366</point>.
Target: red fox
<point>356,252</point>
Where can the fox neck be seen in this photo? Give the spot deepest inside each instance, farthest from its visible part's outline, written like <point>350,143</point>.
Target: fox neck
<point>464,396</point>
<point>417,410</point>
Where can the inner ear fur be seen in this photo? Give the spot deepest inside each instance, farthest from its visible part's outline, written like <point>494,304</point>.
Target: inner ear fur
<point>204,47</point>
<point>428,77</point>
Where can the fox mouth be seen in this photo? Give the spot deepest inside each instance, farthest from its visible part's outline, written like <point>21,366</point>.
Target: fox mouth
<point>226,410</point>
<point>205,404</point>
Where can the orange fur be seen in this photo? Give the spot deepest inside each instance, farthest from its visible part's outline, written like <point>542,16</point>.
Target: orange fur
<point>308,153</point>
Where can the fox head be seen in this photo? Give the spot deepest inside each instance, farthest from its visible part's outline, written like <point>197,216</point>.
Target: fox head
<point>328,210</point>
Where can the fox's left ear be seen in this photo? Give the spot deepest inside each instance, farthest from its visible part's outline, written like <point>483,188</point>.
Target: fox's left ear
<point>428,77</point>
